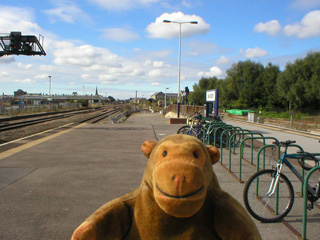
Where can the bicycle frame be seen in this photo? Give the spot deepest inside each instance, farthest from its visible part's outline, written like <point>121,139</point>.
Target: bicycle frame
<point>285,161</point>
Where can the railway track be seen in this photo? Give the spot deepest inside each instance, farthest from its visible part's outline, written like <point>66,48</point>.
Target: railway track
<point>29,120</point>
<point>101,116</point>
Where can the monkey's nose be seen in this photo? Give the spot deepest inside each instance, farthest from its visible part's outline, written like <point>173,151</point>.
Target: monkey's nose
<point>178,180</point>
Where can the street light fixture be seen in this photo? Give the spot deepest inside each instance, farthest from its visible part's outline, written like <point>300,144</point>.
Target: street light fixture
<point>179,62</point>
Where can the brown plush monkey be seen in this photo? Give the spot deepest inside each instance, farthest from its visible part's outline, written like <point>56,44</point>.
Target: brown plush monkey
<point>179,198</point>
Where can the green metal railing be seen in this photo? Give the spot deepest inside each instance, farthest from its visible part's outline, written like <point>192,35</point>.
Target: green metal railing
<point>305,198</point>
<point>224,133</point>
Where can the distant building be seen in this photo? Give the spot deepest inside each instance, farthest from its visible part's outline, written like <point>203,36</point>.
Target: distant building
<point>160,96</point>
<point>39,98</point>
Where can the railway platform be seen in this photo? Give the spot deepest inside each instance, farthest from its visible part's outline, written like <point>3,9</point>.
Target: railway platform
<point>51,182</point>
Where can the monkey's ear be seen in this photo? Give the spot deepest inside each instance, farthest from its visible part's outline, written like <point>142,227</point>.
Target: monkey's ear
<point>147,147</point>
<point>213,153</point>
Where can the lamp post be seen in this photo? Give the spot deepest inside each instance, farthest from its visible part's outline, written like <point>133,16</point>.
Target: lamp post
<point>50,99</point>
<point>50,85</point>
<point>179,62</point>
<point>165,98</point>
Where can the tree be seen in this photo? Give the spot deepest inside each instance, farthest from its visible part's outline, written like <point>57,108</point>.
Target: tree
<point>244,84</point>
<point>270,94</point>
<point>111,99</point>
<point>198,96</point>
<point>299,83</point>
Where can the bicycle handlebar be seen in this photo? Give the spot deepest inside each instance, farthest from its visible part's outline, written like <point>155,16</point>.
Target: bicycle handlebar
<point>301,158</point>
<point>284,143</point>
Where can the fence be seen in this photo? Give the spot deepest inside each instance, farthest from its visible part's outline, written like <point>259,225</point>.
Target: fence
<point>186,110</point>
<point>14,110</point>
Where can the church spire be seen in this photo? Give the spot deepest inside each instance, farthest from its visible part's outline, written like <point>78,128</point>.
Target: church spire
<point>97,94</point>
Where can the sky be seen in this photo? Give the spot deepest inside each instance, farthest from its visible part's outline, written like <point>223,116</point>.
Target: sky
<point>123,47</point>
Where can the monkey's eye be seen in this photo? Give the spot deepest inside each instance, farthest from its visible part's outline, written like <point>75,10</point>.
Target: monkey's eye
<point>165,153</point>
<point>195,154</point>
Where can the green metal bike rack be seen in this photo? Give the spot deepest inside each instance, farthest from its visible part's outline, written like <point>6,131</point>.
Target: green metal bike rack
<point>226,126</point>
<point>241,147</point>
<point>207,128</point>
<point>243,133</point>
<point>226,129</point>
<point>305,198</point>
<point>264,159</point>
<point>273,145</point>
<point>213,127</point>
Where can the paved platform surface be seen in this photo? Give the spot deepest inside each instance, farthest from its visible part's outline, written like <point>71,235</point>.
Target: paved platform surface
<point>50,183</point>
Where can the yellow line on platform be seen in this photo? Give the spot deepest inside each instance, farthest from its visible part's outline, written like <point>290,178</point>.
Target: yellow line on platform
<point>36,142</point>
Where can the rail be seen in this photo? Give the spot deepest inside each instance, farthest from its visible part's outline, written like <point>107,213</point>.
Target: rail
<point>117,117</point>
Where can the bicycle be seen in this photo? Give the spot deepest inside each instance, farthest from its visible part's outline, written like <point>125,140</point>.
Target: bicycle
<point>268,194</point>
<point>195,127</point>
<point>198,128</point>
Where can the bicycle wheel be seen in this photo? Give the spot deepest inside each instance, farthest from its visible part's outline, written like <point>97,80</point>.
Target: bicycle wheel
<point>225,138</point>
<point>183,130</point>
<point>264,208</point>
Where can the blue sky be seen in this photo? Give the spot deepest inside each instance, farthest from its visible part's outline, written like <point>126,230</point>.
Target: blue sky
<point>123,46</point>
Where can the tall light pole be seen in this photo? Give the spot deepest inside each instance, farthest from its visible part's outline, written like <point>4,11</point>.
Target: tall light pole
<point>50,99</point>
<point>165,98</point>
<point>50,85</point>
<point>179,62</point>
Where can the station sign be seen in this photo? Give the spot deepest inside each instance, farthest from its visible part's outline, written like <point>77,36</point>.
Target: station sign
<point>211,96</point>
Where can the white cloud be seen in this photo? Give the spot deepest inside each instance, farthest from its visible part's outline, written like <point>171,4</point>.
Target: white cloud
<point>255,52</point>
<point>42,76</point>
<point>155,84</point>
<point>120,35</point>
<point>214,72</point>
<point>4,74</point>
<point>67,12</point>
<point>272,27</point>
<point>46,68</point>
<point>7,59</point>
<point>24,66</point>
<point>158,29</point>
<point>67,53</point>
<point>17,19</point>
<point>223,60</point>
<point>138,72</point>
<point>86,77</point>
<point>308,27</point>
<point>123,4</point>
<point>106,79</point>
<point>25,81</point>
<point>158,64</point>
<point>155,73</point>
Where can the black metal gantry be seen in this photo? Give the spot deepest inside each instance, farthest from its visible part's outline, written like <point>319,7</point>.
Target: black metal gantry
<point>17,44</point>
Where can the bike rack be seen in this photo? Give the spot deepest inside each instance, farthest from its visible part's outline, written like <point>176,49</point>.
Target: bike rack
<point>229,129</point>
<point>264,159</point>
<point>305,194</point>
<point>241,147</point>
<point>206,130</point>
<point>273,145</point>
<point>224,129</point>
<point>243,133</point>
<point>213,126</point>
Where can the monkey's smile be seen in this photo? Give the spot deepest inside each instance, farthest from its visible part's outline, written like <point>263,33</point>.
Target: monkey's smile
<point>180,197</point>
